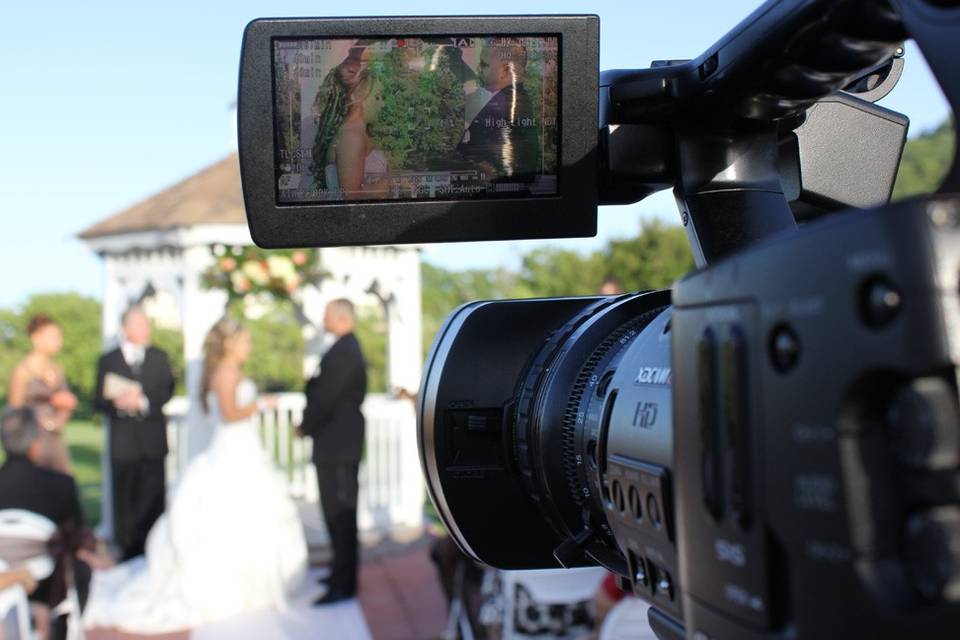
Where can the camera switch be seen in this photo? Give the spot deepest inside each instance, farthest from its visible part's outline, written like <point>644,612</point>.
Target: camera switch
<point>932,553</point>
<point>736,422</point>
<point>922,421</point>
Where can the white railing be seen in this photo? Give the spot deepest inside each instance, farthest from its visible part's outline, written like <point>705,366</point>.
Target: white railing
<point>391,485</point>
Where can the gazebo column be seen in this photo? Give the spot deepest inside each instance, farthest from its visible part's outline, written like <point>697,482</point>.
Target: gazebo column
<point>405,329</point>
<point>311,325</point>
<point>114,302</point>
<point>201,308</point>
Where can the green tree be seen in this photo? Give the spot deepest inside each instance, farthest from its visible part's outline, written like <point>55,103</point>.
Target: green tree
<point>548,273</point>
<point>171,341</point>
<point>653,260</point>
<point>14,344</point>
<point>422,113</point>
<point>371,331</point>
<point>926,160</point>
<point>444,290</point>
<point>79,316</point>
<point>276,363</point>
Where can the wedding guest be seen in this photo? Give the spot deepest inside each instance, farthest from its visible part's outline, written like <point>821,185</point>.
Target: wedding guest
<point>134,381</point>
<point>26,483</point>
<point>610,287</point>
<point>38,382</point>
<point>333,419</point>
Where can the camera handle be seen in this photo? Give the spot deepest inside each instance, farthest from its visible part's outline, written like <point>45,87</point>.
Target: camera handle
<point>729,191</point>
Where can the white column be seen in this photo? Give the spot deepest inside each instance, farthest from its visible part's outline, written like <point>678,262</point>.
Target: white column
<point>312,304</point>
<point>114,301</point>
<point>405,334</point>
<point>201,310</point>
<point>111,309</point>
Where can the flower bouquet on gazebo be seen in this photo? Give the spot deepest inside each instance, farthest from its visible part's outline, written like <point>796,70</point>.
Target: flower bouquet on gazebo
<point>251,271</point>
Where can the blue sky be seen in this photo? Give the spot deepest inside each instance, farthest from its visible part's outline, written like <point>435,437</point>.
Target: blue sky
<point>106,103</point>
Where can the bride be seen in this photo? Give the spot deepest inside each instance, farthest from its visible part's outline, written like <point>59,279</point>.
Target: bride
<point>231,541</point>
<point>347,163</point>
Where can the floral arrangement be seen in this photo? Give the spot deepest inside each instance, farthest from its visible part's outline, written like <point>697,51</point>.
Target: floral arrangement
<point>246,271</point>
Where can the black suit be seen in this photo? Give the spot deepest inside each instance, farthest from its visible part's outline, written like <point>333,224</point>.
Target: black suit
<point>49,493</point>
<point>504,134</point>
<point>138,446</point>
<point>333,419</point>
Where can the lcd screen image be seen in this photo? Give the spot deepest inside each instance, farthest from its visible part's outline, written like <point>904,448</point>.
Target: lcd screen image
<point>432,118</point>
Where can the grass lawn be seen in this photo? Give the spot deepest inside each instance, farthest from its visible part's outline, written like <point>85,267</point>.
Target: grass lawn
<point>85,440</point>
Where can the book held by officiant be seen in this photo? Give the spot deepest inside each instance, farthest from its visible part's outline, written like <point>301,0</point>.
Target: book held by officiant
<point>116,385</point>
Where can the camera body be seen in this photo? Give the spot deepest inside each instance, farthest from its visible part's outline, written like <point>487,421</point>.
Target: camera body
<point>770,449</point>
<point>813,475</point>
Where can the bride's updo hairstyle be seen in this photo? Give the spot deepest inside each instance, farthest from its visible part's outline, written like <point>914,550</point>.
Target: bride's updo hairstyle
<point>215,347</point>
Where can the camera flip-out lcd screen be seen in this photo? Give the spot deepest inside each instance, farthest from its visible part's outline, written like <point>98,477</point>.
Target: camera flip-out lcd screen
<point>416,118</point>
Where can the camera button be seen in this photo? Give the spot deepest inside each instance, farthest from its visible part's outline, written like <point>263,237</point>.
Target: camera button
<point>879,302</point>
<point>653,511</point>
<point>618,500</point>
<point>636,504</point>
<point>784,348</point>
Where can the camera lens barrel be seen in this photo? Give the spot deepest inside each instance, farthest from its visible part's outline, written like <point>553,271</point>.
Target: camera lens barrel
<point>512,425</point>
<point>558,433</point>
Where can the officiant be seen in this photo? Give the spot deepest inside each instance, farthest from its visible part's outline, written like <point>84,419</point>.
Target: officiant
<point>134,381</point>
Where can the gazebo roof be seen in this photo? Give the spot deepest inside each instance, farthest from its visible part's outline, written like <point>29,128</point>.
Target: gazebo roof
<point>211,196</point>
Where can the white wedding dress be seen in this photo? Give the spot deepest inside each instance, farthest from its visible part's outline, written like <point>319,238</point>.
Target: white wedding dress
<point>230,542</point>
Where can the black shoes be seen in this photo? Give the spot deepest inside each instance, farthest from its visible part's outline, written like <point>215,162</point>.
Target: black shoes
<point>333,597</point>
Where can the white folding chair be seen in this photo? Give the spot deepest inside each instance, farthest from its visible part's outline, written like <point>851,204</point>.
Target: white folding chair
<point>14,611</point>
<point>23,542</point>
<point>628,621</point>
<point>547,602</point>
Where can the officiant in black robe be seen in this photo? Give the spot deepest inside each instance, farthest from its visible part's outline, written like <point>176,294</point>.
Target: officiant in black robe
<point>138,430</point>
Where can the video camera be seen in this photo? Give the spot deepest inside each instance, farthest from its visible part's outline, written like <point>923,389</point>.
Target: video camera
<point>769,450</point>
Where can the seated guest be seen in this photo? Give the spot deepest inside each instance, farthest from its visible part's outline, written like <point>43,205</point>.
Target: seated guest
<point>24,484</point>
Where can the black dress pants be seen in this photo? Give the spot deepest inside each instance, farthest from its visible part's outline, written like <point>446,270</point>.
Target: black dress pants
<point>139,498</point>
<point>338,498</point>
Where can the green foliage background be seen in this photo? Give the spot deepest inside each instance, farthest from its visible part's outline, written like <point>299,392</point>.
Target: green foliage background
<point>656,257</point>
<point>926,160</point>
<point>371,332</point>
<point>276,363</point>
<point>422,112</point>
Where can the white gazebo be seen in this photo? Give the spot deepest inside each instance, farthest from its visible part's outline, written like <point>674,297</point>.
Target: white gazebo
<point>156,252</point>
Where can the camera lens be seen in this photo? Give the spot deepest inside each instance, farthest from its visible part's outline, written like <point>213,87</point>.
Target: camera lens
<point>535,462</point>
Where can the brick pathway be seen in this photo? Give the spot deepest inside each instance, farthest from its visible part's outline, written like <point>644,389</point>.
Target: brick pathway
<point>400,595</point>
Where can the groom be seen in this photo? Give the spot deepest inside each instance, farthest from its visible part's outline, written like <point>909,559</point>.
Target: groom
<point>134,381</point>
<point>333,419</point>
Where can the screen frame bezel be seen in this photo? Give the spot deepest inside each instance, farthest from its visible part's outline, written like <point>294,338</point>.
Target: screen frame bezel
<point>572,212</point>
